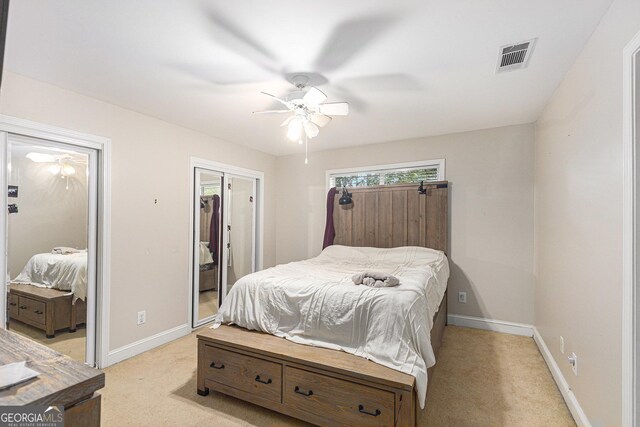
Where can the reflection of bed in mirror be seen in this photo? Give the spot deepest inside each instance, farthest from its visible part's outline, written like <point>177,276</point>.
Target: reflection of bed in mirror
<point>50,291</point>
<point>208,269</point>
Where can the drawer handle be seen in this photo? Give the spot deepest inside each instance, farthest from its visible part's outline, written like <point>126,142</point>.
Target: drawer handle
<point>213,365</point>
<point>299,391</point>
<point>373,414</point>
<point>13,303</point>
<point>37,312</point>
<point>24,307</point>
<point>263,381</point>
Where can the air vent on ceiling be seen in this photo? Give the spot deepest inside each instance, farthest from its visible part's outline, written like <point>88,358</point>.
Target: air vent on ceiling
<point>515,56</point>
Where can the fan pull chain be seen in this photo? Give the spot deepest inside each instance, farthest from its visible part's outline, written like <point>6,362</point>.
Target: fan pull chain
<point>306,149</point>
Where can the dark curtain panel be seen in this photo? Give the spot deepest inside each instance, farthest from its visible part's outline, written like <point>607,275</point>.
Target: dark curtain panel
<point>329,229</point>
<point>214,236</point>
<point>4,15</point>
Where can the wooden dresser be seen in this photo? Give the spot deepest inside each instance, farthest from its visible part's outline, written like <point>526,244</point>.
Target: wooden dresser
<point>62,381</point>
<point>318,385</point>
<point>46,309</point>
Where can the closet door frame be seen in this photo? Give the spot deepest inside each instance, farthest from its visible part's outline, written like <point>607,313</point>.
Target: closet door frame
<point>225,169</point>
<point>101,199</point>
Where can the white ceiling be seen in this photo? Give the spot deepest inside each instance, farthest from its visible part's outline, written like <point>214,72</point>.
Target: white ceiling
<point>407,68</point>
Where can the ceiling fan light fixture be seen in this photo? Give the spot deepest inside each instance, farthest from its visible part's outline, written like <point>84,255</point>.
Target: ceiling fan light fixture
<point>68,170</point>
<point>295,129</point>
<point>54,169</point>
<point>310,129</point>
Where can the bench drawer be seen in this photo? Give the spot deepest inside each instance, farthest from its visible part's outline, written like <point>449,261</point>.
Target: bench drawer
<point>32,310</point>
<point>249,374</point>
<point>338,402</point>
<point>13,306</point>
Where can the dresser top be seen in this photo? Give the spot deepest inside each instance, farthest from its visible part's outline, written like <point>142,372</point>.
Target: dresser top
<point>62,380</point>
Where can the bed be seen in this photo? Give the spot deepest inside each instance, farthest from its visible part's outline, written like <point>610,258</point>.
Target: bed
<point>393,229</point>
<point>50,292</point>
<point>208,271</point>
<point>65,272</point>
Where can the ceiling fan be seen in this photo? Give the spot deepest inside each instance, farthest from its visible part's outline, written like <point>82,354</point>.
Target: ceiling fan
<point>60,164</point>
<point>309,111</point>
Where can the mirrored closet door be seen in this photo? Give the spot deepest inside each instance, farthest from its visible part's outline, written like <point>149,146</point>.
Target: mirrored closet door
<point>51,240</point>
<point>207,226</point>
<point>224,237</point>
<point>240,230</point>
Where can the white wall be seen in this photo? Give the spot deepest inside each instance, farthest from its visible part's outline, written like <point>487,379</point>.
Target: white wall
<point>150,242</point>
<point>491,216</point>
<point>49,214</point>
<point>578,193</point>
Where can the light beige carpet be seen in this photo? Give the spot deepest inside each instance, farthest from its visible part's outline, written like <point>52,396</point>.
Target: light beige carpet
<point>481,379</point>
<point>73,344</point>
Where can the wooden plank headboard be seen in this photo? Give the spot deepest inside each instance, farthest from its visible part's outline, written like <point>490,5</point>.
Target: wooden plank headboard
<point>394,215</point>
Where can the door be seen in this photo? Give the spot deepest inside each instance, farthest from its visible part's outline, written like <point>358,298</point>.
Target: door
<point>224,237</point>
<point>53,204</point>
<point>240,226</point>
<point>207,208</point>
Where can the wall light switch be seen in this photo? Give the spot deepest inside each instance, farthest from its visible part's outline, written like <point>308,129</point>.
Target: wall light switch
<point>142,317</point>
<point>462,297</point>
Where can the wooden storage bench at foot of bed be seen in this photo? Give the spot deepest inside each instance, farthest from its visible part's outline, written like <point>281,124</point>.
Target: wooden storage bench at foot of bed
<point>318,385</point>
<point>46,309</point>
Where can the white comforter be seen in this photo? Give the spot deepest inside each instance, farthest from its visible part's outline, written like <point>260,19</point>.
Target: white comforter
<point>315,302</point>
<point>205,255</point>
<point>63,272</point>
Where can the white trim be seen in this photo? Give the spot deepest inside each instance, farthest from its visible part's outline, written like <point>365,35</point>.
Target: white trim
<point>146,344</point>
<point>570,399</point>
<point>629,243</point>
<point>225,169</point>
<point>490,325</point>
<point>5,223</point>
<point>45,132</point>
<point>440,163</point>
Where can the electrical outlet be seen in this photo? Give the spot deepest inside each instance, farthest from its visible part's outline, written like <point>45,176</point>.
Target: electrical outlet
<point>462,297</point>
<point>573,361</point>
<point>142,317</point>
<point>561,344</point>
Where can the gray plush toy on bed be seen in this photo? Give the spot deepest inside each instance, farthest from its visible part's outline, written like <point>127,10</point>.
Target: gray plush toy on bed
<point>375,279</point>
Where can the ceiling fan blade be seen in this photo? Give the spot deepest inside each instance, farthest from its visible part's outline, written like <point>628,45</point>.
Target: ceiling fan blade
<point>271,112</point>
<point>320,119</point>
<point>282,101</point>
<point>313,97</point>
<point>335,108</point>
<point>240,41</point>
<point>42,157</point>
<point>349,38</point>
<point>310,129</point>
<point>287,120</point>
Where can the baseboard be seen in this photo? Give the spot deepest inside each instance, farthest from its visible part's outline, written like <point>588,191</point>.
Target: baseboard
<point>490,325</point>
<point>570,399</point>
<point>146,344</point>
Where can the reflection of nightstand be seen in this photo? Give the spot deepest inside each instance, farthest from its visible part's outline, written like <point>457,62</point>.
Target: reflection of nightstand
<point>208,279</point>
<point>46,309</point>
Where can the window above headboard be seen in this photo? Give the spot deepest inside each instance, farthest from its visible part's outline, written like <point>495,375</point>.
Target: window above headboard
<point>398,173</point>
